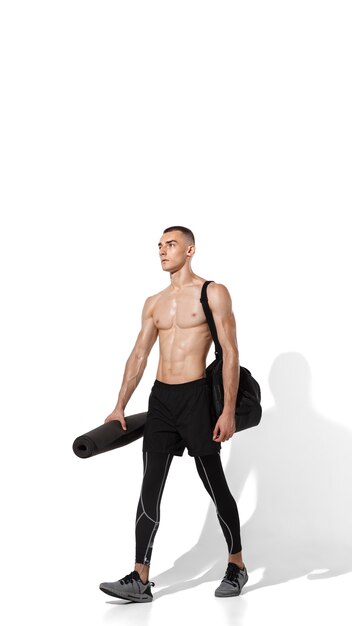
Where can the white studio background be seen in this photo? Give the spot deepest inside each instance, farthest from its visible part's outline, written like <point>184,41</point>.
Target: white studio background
<point>119,119</point>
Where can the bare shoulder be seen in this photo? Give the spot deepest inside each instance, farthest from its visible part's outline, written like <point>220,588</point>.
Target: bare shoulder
<point>218,294</point>
<point>151,301</point>
<point>219,299</point>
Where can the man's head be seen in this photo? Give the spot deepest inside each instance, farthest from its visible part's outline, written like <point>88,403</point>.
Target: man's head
<point>176,247</point>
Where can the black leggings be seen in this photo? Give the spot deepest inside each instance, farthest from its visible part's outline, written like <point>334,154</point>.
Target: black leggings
<point>156,467</point>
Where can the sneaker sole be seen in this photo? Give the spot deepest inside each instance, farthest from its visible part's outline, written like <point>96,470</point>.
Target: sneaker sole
<point>127,596</point>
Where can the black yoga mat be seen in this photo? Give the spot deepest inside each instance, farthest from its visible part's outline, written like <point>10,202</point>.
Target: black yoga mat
<point>109,436</point>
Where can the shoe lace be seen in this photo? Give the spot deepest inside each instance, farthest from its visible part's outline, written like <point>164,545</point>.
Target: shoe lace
<point>130,577</point>
<point>231,574</point>
<point>127,579</point>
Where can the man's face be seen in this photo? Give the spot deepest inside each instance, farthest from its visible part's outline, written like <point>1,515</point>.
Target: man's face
<point>173,250</point>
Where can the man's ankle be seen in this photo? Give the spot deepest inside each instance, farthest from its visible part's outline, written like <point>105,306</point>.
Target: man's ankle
<point>144,579</point>
<point>143,572</point>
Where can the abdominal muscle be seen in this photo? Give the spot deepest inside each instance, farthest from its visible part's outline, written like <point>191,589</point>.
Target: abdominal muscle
<point>183,354</point>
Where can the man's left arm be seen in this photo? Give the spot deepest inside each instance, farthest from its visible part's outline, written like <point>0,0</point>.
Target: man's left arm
<point>221,306</point>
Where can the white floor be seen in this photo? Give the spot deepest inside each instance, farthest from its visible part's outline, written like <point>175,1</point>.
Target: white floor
<point>72,526</point>
<point>301,601</point>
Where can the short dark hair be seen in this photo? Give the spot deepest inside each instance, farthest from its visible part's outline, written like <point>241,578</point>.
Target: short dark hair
<point>184,230</point>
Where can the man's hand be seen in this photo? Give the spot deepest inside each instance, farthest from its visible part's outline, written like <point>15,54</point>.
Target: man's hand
<point>224,428</point>
<point>117,414</point>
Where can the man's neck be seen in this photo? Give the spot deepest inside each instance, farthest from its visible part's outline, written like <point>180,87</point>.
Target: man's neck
<point>182,277</point>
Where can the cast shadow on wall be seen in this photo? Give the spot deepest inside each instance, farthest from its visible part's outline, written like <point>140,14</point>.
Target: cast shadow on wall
<point>303,514</point>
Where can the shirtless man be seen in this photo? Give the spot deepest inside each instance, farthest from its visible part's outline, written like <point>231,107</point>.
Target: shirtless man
<point>179,413</point>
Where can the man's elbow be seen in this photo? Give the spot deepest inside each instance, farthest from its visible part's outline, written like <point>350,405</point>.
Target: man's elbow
<point>141,355</point>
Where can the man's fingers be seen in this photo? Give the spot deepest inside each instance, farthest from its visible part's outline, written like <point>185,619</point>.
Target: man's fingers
<point>223,436</point>
<point>122,421</point>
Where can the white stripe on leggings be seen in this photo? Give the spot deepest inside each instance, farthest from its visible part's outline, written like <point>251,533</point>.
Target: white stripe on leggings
<point>230,551</point>
<point>141,498</point>
<point>157,502</point>
<point>159,495</point>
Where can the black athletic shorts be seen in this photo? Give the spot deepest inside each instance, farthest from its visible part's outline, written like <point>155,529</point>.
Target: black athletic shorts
<point>179,415</point>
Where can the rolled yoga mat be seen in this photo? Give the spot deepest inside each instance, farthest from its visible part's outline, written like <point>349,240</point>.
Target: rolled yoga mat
<point>109,436</point>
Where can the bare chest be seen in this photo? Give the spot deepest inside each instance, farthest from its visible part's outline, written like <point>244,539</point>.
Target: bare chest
<point>183,311</point>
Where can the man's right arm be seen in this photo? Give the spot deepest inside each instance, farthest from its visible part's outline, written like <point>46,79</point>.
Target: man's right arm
<point>137,361</point>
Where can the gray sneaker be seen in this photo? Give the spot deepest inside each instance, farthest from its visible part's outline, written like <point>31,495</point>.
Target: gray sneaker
<point>233,581</point>
<point>129,587</point>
